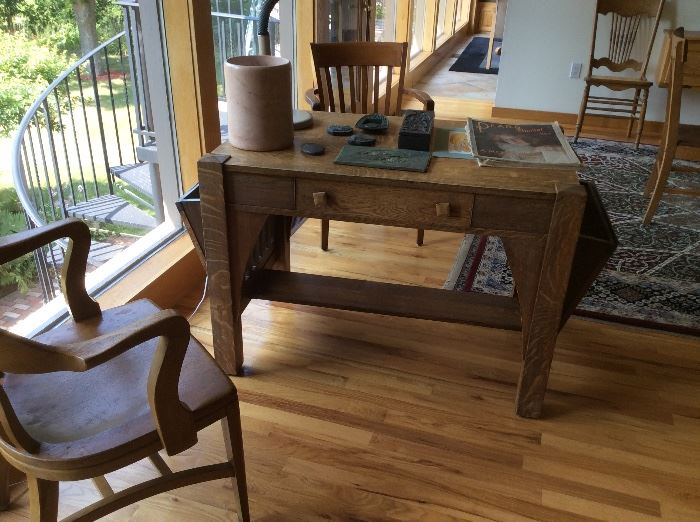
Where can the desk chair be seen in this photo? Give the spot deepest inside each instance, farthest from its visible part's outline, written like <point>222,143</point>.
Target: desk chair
<point>628,21</point>
<point>675,136</point>
<point>363,62</point>
<point>106,389</point>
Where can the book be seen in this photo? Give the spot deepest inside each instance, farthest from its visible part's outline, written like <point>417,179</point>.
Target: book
<point>452,143</point>
<point>540,145</point>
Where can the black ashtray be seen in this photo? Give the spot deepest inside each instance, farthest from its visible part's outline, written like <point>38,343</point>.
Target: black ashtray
<point>374,123</point>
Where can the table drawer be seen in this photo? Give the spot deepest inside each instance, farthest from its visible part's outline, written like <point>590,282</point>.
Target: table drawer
<point>260,191</point>
<point>384,205</point>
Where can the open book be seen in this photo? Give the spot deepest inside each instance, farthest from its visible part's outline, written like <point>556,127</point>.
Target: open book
<point>540,145</point>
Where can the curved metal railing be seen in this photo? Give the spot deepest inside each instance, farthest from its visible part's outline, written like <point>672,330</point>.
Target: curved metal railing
<point>79,127</point>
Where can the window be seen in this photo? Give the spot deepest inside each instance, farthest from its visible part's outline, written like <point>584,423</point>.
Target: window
<point>418,24</point>
<point>462,12</point>
<point>440,29</point>
<point>385,21</point>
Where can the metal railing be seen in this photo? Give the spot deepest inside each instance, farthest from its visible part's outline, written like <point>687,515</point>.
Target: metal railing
<point>87,121</point>
<point>235,35</point>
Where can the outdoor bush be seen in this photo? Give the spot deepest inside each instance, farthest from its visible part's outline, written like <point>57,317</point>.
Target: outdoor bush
<point>20,272</point>
<point>26,68</point>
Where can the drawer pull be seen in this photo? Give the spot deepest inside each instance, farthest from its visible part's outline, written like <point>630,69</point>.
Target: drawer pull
<point>319,199</point>
<point>442,209</point>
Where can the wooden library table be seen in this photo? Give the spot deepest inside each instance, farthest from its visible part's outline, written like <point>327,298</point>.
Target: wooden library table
<point>248,200</point>
<point>691,77</point>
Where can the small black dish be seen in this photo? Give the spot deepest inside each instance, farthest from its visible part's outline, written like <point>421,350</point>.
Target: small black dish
<point>374,123</point>
<point>362,140</point>
<point>313,149</point>
<point>339,130</point>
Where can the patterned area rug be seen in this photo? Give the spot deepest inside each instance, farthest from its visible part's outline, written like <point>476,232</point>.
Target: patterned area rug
<point>652,280</point>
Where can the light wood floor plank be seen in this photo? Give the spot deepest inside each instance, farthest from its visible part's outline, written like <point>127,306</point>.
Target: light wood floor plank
<point>348,416</point>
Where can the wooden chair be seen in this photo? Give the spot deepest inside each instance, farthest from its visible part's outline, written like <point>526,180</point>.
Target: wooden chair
<point>363,62</point>
<point>628,20</point>
<point>676,137</point>
<point>106,389</point>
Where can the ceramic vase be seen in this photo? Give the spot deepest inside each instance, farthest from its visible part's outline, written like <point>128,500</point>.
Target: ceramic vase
<point>259,101</point>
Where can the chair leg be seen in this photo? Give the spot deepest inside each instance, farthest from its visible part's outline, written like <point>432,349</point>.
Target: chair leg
<point>325,224</point>
<point>234,450</point>
<point>419,236</point>
<point>103,486</point>
<point>582,111</point>
<point>642,115</point>
<point>43,499</point>
<point>653,175</point>
<point>635,103</point>
<point>661,178</point>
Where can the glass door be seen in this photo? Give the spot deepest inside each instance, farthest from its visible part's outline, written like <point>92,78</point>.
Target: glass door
<point>343,21</point>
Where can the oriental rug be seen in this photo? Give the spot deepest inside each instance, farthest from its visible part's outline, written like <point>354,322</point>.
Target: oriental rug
<point>653,278</point>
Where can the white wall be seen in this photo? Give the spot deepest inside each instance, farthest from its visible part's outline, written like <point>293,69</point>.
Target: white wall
<point>543,37</point>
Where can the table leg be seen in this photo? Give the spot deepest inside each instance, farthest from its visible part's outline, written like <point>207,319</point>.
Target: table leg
<point>541,270</point>
<point>226,261</point>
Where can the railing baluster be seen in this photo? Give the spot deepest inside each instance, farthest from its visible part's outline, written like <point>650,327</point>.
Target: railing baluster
<point>65,146</point>
<point>54,159</point>
<point>45,164</point>
<point>126,99</point>
<point>36,171</point>
<point>28,174</point>
<point>96,187</point>
<point>129,23</point>
<point>98,106</point>
<point>75,139</point>
<point>114,110</point>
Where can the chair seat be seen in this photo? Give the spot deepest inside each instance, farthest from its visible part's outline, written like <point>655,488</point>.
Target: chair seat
<point>618,81</point>
<point>91,415</point>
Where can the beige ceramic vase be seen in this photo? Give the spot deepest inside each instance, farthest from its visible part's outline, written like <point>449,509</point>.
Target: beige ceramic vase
<point>259,101</point>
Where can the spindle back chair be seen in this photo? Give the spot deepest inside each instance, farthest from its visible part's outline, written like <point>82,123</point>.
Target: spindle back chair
<point>359,66</point>
<point>633,27</point>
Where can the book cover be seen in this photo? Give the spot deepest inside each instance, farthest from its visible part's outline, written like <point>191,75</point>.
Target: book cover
<point>520,144</point>
<point>452,143</point>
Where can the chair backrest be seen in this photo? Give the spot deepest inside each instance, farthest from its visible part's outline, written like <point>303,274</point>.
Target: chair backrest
<point>358,65</point>
<point>679,55</point>
<point>631,22</point>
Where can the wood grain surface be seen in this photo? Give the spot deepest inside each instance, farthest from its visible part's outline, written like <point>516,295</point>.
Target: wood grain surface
<point>351,416</point>
<point>457,174</point>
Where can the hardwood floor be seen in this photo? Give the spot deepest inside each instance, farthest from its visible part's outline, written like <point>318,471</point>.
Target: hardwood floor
<point>349,416</point>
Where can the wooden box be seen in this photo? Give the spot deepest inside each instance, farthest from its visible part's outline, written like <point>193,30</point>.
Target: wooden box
<point>416,130</point>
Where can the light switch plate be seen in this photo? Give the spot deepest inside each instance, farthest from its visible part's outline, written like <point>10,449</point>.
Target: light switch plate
<point>575,71</point>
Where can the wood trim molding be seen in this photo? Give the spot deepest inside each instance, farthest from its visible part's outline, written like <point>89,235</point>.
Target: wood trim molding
<point>190,46</point>
<point>165,278</point>
<point>609,126</point>
<point>304,33</point>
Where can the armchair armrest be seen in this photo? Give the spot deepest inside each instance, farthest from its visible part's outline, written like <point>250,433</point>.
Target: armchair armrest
<point>421,96</point>
<point>16,245</point>
<point>312,98</point>
<point>173,419</point>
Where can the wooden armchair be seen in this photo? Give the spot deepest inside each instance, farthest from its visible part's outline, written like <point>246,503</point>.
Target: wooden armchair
<point>362,62</point>
<point>629,20</point>
<point>106,389</point>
